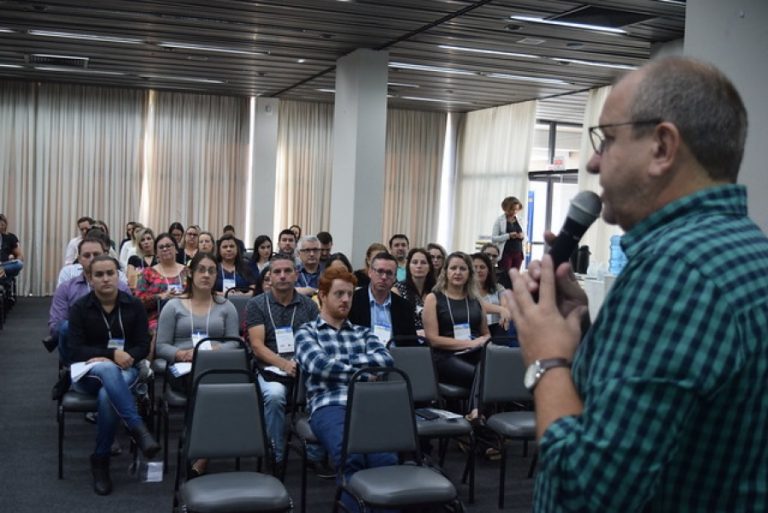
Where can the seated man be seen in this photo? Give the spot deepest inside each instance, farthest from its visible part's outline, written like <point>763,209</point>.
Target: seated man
<point>11,257</point>
<point>70,252</point>
<point>109,328</point>
<point>376,307</point>
<point>272,319</point>
<point>330,350</point>
<point>309,270</point>
<point>68,292</point>
<point>76,269</point>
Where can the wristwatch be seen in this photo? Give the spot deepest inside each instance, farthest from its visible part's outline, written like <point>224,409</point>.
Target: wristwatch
<point>537,369</point>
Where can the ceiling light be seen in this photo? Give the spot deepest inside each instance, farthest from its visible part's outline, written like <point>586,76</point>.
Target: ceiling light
<point>586,26</point>
<point>14,66</point>
<point>524,78</point>
<point>5,30</point>
<point>490,52</point>
<point>87,37</point>
<point>183,79</point>
<point>437,100</point>
<point>66,69</point>
<point>301,61</point>
<point>436,69</point>
<point>205,48</point>
<point>400,84</point>
<point>597,64</point>
<point>674,2</point>
<point>326,90</point>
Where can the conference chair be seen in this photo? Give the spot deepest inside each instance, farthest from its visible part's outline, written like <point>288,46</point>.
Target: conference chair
<point>380,418</point>
<point>171,399</point>
<point>72,402</point>
<point>240,303</point>
<point>502,382</point>
<point>417,363</point>
<point>225,421</point>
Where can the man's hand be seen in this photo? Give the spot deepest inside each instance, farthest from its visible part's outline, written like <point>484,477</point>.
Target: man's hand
<point>289,367</point>
<point>123,359</point>
<point>544,330</point>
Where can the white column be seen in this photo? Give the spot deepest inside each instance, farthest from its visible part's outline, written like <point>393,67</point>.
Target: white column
<point>359,134</point>
<point>261,205</point>
<point>732,35</point>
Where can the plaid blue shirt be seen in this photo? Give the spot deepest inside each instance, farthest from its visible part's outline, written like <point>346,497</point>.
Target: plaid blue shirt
<point>673,374</point>
<point>328,357</point>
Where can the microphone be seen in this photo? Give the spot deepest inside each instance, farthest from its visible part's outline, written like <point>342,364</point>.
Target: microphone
<point>585,208</point>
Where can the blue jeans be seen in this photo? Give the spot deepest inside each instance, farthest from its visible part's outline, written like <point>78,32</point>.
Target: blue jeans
<point>62,331</point>
<point>12,268</point>
<point>274,394</point>
<point>328,425</point>
<point>112,385</point>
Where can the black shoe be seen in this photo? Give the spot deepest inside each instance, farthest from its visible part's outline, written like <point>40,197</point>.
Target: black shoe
<point>50,343</point>
<point>146,442</point>
<point>102,484</point>
<point>91,417</point>
<point>322,469</point>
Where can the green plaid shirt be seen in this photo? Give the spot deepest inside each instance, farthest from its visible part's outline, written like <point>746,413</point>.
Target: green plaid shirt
<point>673,374</point>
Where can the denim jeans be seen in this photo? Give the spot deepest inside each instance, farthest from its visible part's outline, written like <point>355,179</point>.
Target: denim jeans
<point>274,394</point>
<point>63,332</point>
<point>328,425</point>
<point>113,387</point>
<point>12,268</point>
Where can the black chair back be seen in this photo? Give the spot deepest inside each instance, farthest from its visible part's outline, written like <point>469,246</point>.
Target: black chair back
<point>416,362</point>
<point>222,359</point>
<point>503,371</point>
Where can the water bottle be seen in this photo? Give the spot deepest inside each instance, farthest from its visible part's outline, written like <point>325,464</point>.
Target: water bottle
<point>618,259</point>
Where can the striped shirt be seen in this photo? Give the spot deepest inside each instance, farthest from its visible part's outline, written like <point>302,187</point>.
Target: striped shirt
<point>329,357</point>
<point>673,374</point>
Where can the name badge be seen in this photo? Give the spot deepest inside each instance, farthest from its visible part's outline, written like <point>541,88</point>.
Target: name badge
<point>116,343</point>
<point>175,289</point>
<point>285,342</point>
<point>383,332</point>
<point>462,331</point>
<point>228,284</point>
<point>197,337</point>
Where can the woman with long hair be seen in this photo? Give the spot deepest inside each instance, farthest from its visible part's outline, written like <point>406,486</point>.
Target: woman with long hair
<point>177,232</point>
<point>190,246</point>
<point>206,243</point>
<point>491,295</point>
<point>198,313</point>
<point>233,271</point>
<point>262,252</point>
<point>362,274</point>
<point>419,282</point>
<point>455,325</point>
<point>144,257</point>
<point>162,281</point>
<point>437,255</point>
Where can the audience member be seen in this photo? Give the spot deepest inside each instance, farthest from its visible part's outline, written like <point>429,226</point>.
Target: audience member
<point>330,349</point>
<point>375,307</point>
<point>491,296</point>
<point>144,257</point>
<point>286,244</point>
<point>11,256</point>
<point>234,276</point>
<point>76,269</point>
<point>230,230</point>
<point>508,235</point>
<point>262,253</point>
<point>190,247</point>
<point>70,252</point>
<point>398,246</point>
<point>490,250</point>
<point>206,243</point>
<point>309,270</point>
<point>129,227</point>
<point>339,259</point>
<point>130,247</point>
<point>326,246</point>
<point>177,232</point>
<point>296,230</point>
<point>419,281</point>
<point>162,281</point>
<point>437,256</point>
<point>101,225</point>
<point>108,328</point>
<point>362,274</point>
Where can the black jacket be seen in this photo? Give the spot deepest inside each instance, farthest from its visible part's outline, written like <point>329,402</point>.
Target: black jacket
<point>401,312</point>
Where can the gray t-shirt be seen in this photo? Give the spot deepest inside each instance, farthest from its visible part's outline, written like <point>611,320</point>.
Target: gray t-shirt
<point>301,309</point>
<point>176,325</point>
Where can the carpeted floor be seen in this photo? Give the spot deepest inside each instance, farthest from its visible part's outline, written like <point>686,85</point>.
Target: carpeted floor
<point>28,435</point>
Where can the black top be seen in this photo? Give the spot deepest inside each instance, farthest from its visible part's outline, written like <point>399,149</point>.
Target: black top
<point>139,263</point>
<point>513,245</point>
<point>89,335</point>
<point>362,278</point>
<point>461,315</point>
<point>8,243</point>
<point>400,311</point>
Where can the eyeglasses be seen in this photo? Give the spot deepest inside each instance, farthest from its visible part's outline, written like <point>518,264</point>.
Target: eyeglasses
<point>599,140</point>
<point>165,246</point>
<point>384,273</point>
<point>436,257</point>
<point>310,250</point>
<point>192,234</point>
<point>206,270</point>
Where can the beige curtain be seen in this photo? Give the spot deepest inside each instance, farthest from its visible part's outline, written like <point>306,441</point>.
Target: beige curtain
<point>414,154</point>
<point>599,234</point>
<point>304,166</point>
<point>68,151</point>
<point>493,154</point>
<point>196,160</point>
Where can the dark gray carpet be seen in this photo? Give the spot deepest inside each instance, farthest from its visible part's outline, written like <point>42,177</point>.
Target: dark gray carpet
<point>28,434</point>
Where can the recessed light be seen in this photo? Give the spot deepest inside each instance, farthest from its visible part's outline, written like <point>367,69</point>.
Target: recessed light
<point>436,69</point>
<point>301,61</point>
<point>83,36</point>
<point>400,84</point>
<point>65,69</point>
<point>206,48</point>
<point>13,66</point>
<point>183,79</point>
<point>574,44</point>
<point>435,100</point>
<point>594,63</point>
<point>570,24</point>
<point>489,52</point>
<point>524,78</point>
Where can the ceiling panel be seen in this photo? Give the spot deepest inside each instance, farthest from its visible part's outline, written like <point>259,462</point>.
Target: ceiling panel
<point>289,49</point>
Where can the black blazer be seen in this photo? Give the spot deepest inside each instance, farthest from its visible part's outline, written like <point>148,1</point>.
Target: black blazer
<point>401,312</point>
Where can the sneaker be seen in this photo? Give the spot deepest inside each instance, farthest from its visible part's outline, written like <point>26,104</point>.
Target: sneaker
<point>322,469</point>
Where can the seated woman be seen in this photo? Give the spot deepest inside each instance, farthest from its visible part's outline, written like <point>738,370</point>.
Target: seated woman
<point>144,257</point>
<point>190,247</point>
<point>455,325</point>
<point>162,281</point>
<point>197,314</point>
<point>108,328</point>
<point>491,296</point>
<point>340,260</point>
<point>233,271</point>
<point>177,232</point>
<point>419,281</point>
<point>206,243</point>
<point>131,246</point>
<point>437,256</point>
<point>262,252</point>
<point>362,274</point>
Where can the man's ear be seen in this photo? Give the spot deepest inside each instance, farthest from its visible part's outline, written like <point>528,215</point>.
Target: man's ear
<point>666,147</point>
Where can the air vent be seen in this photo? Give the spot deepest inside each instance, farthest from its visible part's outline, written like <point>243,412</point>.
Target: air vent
<point>68,61</point>
<point>531,41</point>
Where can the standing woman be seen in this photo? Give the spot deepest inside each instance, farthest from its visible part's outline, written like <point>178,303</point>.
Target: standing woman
<point>491,295</point>
<point>206,243</point>
<point>508,234</point>
<point>419,282</point>
<point>144,257</point>
<point>190,248</point>
<point>233,271</point>
<point>262,252</point>
<point>437,256</point>
<point>455,325</point>
<point>164,280</point>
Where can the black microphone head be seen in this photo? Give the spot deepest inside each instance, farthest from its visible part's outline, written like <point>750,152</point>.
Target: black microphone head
<point>585,208</point>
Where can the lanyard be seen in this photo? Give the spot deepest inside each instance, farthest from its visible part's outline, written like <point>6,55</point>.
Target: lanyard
<point>109,325</point>
<point>168,284</point>
<point>269,309</point>
<point>192,317</point>
<point>450,312</point>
